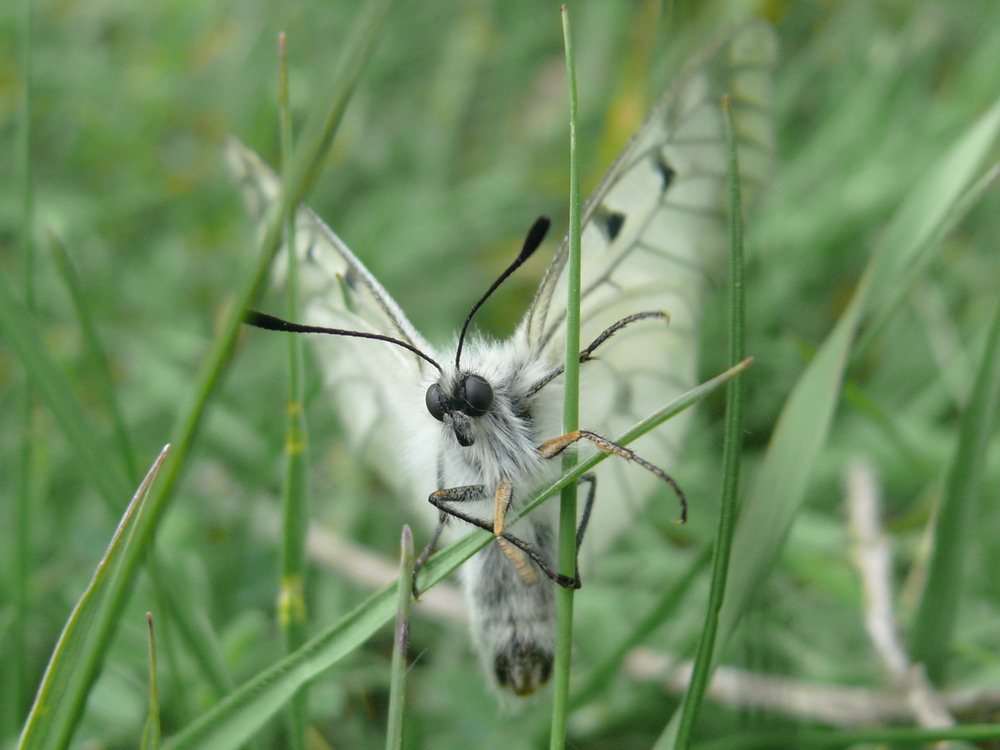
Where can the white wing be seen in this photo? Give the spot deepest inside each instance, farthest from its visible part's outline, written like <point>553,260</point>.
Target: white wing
<point>376,387</point>
<point>653,232</point>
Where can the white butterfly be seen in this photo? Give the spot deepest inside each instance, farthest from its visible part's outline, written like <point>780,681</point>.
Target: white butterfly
<point>471,425</point>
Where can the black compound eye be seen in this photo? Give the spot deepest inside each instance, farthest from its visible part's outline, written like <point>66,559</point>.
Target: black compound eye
<point>477,394</point>
<point>435,401</point>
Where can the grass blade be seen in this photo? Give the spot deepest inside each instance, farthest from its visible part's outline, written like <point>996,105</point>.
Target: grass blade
<point>65,684</point>
<point>571,420</point>
<point>938,610</point>
<point>291,597</point>
<point>404,597</point>
<point>151,732</point>
<point>730,451</point>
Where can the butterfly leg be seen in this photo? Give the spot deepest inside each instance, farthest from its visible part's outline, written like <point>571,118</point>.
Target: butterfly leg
<point>427,552</point>
<point>501,504</point>
<point>587,354</point>
<point>440,499</point>
<point>555,446</point>
<point>563,580</point>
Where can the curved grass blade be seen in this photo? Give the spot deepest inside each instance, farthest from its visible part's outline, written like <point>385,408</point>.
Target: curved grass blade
<point>65,684</point>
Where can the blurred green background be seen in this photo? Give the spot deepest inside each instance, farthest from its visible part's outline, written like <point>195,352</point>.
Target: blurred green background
<point>454,142</point>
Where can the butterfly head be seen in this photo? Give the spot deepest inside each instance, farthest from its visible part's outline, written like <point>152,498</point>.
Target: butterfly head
<point>456,400</point>
<point>468,396</point>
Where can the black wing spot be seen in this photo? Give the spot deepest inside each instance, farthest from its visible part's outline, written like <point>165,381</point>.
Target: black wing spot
<point>610,222</point>
<point>667,173</point>
<point>311,252</point>
<point>351,279</point>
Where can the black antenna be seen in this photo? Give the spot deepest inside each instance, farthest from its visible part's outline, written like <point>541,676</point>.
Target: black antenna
<point>535,236</point>
<point>270,323</point>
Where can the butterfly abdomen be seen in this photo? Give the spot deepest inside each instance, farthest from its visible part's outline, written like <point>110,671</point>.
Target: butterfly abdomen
<point>513,620</point>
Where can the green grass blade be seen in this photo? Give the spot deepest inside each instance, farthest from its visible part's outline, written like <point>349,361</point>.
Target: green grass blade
<point>291,598</point>
<point>781,483</point>
<point>249,707</point>
<point>322,125</point>
<point>916,269</point>
<point>702,669</point>
<point>151,732</point>
<point>397,686</point>
<point>928,208</point>
<point>571,420</point>
<point>65,685</point>
<point>942,596</point>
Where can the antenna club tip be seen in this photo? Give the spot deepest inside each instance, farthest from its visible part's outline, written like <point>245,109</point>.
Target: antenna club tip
<point>258,319</point>
<point>535,236</point>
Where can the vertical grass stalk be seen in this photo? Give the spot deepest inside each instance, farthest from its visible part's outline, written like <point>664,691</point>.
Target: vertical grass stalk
<point>295,527</point>
<point>571,409</point>
<point>702,670</point>
<point>401,643</point>
<point>151,732</point>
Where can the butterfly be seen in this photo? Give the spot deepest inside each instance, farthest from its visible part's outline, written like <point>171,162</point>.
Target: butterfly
<point>472,427</point>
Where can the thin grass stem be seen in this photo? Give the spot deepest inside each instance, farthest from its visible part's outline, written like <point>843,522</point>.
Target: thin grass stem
<point>571,417</point>
<point>292,613</point>
<point>397,685</point>
<point>703,661</point>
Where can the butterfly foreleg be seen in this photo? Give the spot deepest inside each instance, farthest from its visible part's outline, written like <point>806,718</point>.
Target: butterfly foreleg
<point>555,446</point>
<point>440,499</point>
<point>588,354</point>
<point>427,551</point>
<point>501,504</point>
<point>591,479</point>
